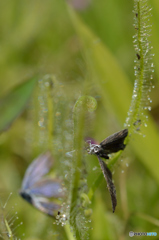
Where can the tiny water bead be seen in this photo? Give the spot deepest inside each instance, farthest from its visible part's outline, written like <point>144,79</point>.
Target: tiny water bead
<point>41,123</point>
<point>61,219</point>
<point>58,114</point>
<point>70,154</point>
<point>95,168</point>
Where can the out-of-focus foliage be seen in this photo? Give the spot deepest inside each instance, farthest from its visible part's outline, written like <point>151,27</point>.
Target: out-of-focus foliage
<point>42,38</point>
<point>14,102</point>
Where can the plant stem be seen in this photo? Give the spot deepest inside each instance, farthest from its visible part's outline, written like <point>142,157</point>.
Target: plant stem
<point>50,115</point>
<point>78,116</point>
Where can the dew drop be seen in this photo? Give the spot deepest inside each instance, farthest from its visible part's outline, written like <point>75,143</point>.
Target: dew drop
<point>95,168</point>
<point>57,114</point>
<point>69,154</point>
<point>40,123</point>
<point>45,110</point>
<point>47,84</point>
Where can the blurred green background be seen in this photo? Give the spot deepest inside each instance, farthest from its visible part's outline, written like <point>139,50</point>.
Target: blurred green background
<point>38,38</point>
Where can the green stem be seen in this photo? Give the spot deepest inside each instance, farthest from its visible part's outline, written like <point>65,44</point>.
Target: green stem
<point>141,70</point>
<point>68,232</point>
<point>35,117</point>
<point>9,231</point>
<point>78,116</point>
<point>83,104</point>
<point>50,115</point>
<point>95,186</point>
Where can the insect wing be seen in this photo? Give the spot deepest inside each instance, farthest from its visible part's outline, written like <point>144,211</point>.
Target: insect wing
<point>45,206</point>
<point>47,188</point>
<point>39,167</point>
<point>41,203</point>
<point>115,142</point>
<point>108,177</point>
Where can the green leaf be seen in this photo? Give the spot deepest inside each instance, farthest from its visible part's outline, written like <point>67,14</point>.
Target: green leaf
<point>12,105</point>
<point>116,92</point>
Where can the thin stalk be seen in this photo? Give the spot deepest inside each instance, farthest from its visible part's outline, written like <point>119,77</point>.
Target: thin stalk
<point>68,232</point>
<point>137,105</point>
<point>78,139</point>
<point>50,116</point>
<point>143,66</point>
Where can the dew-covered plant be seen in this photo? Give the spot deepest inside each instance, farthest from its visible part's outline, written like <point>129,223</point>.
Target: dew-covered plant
<point>62,114</point>
<point>51,113</point>
<point>143,68</point>
<point>8,221</point>
<point>143,74</point>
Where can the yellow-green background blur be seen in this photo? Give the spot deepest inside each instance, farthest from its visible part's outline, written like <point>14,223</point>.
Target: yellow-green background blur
<point>37,38</point>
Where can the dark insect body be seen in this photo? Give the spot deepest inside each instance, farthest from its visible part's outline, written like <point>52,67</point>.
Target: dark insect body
<point>111,144</point>
<point>138,56</point>
<point>37,189</point>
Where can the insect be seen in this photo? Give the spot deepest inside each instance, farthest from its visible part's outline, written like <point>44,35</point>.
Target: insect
<point>36,189</point>
<point>138,56</point>
<point>110,185</point>
<point>111,144</point>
